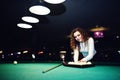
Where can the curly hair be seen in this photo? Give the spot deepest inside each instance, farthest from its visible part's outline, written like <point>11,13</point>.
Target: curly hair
<point>73,42</point>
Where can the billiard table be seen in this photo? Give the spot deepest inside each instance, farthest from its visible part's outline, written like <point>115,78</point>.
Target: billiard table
<point>34,71</point>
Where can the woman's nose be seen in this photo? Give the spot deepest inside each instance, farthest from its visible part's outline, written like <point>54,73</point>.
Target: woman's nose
<point>77,37</point>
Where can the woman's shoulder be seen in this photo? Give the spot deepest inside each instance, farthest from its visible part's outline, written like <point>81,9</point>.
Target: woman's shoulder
<point>90,38</point>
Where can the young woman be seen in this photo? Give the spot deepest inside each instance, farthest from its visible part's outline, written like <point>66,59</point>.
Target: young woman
<point>83,44</point>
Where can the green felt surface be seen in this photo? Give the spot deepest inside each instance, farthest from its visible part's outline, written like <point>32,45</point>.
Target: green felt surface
<point>33,71</point>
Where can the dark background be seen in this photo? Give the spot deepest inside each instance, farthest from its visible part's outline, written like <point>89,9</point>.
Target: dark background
<point>52,30</point>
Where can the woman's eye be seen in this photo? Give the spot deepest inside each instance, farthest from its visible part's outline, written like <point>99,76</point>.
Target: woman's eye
<point>79,35</point>
<point>75,36</point>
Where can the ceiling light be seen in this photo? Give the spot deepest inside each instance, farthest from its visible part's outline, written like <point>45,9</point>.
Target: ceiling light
<point>30,19</point>
<point>98,28</point>
<point>54,1</point>
<point>24,25</point>
<point>39,10</point>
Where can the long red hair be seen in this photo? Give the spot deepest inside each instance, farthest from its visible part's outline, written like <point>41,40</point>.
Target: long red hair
<point>73,42</point>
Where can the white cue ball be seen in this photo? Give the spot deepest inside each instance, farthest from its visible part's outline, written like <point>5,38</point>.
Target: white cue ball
<point>15,62</point>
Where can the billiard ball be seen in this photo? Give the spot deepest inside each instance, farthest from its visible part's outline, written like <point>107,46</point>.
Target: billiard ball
<point>15,62</point>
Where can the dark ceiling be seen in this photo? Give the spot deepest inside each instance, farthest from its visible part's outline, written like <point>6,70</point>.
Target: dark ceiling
<point>52,30</point>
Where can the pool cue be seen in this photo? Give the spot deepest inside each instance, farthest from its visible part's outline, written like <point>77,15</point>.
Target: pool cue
<point>51,68</point>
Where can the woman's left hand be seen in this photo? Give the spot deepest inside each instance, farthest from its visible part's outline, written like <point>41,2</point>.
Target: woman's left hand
<point>82,60</point>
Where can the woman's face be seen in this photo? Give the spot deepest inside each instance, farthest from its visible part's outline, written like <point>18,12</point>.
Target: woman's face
<point>78,36</point>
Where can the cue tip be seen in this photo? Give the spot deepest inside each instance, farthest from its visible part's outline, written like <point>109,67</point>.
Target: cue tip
<point>43,71</point>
